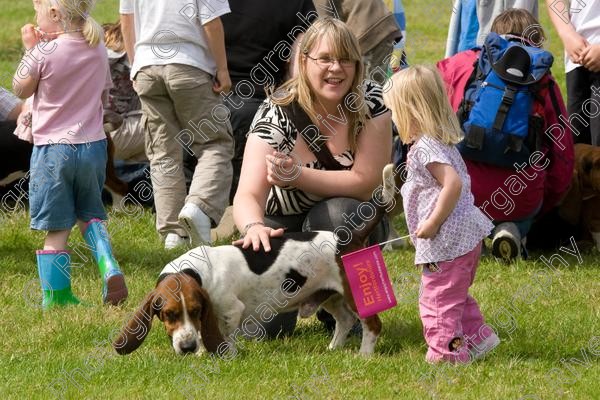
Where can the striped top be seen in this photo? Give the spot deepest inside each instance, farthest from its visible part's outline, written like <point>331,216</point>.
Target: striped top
<point>272,125</point>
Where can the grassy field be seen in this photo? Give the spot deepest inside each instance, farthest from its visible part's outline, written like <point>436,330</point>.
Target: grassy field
<point>547,316</point>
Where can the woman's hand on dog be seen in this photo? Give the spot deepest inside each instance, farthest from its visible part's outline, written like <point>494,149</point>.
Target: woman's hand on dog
<point>257,235</point>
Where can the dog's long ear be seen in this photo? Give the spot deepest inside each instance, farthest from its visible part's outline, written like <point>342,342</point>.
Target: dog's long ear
<point>134,332</point>
<point>209,326</point>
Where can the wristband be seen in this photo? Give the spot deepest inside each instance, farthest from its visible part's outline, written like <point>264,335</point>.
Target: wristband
<point>250,225</point>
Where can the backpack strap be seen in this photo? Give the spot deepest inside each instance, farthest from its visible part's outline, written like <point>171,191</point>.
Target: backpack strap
<point>475,136</point>
<point>464,108</point>
<point>311,135</point>
<point>507,99</point>
<point>514,143</point>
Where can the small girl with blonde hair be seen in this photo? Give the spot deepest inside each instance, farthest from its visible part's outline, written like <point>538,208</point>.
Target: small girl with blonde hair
<point>65,68</point>
<point>447,228</point>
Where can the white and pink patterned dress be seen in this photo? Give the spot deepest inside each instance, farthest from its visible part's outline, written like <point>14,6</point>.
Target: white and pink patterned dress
<point>464,228</point>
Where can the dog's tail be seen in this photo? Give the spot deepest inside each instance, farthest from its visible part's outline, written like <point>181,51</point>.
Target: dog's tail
<point>382,201</point>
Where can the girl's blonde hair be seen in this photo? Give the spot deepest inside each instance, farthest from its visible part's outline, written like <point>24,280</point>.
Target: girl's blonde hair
<point>343,45</point>
<point>77,13</point>
<point>113,38</point>
<point>420,106</point>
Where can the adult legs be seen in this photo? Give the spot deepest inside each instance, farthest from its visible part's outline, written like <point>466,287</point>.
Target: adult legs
<point>165,154</point>
<point>339,214</point>
<point>206,135</point>
<point>578,92</point>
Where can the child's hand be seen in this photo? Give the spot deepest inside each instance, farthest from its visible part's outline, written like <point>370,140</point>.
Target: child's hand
<point>29,36</point>
<point>575,44</point>
<point>590,58</point>
<point>427,230</point>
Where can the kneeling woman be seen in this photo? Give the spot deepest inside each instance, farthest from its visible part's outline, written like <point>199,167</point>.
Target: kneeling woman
<point>286,182</point>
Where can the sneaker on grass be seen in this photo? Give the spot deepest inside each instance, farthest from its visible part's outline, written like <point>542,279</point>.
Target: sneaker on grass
<point>173,240</point>
<point>196,224</point>
<point>506,242</point>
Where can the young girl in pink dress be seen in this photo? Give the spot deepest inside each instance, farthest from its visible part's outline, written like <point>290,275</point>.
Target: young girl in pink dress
<point>447,229</point>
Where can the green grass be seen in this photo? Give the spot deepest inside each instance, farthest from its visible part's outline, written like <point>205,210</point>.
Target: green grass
<point>547,319</point>
<point>542,315</point>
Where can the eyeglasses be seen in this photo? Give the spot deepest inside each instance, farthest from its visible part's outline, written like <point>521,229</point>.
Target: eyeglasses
<point>327,62</point>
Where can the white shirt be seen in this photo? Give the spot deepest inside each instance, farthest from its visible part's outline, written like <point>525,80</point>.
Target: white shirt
<point>585,17</point>
<point>170,32</point>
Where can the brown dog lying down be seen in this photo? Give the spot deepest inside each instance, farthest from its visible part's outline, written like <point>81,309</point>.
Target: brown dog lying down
<point>581,205</point>
<point>210,295</point>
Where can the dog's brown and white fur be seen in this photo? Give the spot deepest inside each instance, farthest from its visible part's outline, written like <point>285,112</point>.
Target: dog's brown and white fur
<point>210,295</point>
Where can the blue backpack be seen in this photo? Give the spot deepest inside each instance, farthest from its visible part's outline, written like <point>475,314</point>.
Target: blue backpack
<point>497,110</point>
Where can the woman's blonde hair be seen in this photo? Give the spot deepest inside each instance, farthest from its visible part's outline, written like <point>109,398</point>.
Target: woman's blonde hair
<point>77,13</point>
<point>420,106</point>
<point>113,38</point>
<point>522,23</point>
<point>343,45</point>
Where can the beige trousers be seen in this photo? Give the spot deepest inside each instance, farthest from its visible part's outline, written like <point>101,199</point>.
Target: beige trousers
<point>181,113</point>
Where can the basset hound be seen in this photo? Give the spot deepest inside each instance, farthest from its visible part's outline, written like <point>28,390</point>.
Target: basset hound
<point>214,295</point>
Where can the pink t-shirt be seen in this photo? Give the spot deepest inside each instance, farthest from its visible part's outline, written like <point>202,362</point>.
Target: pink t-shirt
<point>67,105</point>
<point>464,228</point>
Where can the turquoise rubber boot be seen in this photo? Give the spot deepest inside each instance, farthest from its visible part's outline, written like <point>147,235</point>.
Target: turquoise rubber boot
<point>54,269</point>
<point>114,290</point>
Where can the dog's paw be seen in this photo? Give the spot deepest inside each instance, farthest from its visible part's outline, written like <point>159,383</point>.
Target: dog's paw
<point>365,353</point>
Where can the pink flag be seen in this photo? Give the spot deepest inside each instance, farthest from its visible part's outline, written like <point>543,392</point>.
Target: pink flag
<point>369,281</point>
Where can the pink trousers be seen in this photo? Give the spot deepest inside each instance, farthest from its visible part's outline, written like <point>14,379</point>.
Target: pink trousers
<point>452,322</point>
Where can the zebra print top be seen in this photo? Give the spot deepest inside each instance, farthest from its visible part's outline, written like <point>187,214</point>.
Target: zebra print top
<point>272,125</point>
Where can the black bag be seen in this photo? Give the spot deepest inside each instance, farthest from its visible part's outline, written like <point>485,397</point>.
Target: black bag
<point>311,135</point>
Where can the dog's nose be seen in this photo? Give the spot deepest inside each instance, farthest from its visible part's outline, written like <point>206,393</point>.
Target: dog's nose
<point>188,347</point>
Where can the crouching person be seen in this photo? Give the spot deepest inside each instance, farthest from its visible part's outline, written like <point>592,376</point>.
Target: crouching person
<point>515,179</point>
